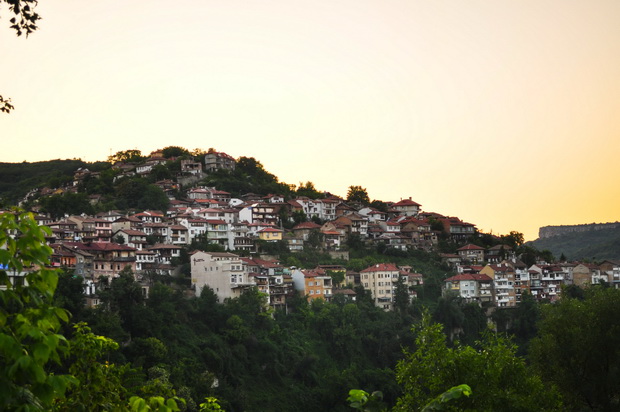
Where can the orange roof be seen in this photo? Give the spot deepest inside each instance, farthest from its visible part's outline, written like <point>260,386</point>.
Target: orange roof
<point>381,267</point>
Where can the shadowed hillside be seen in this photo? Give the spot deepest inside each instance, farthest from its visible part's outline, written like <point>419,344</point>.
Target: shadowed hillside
<point>592,244</point>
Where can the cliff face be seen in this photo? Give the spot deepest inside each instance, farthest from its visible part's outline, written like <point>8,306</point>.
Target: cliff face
<point>550,231</point>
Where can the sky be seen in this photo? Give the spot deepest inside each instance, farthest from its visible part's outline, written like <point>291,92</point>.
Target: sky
<point>503,113</point>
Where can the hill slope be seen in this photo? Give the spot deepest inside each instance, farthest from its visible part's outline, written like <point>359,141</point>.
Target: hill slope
<point>595,244</point>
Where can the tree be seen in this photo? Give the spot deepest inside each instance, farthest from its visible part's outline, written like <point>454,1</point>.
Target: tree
<point>358,194</point>
<point>401,295</point>
<point>499,379</point>
<point>174,151</point>
<point>514,239</point>
<point>308,190</point>
<point>29,322</point>
<point>577,349</point>
<point>126,156</point>
<point>5,105</point>
<point>24,21</point>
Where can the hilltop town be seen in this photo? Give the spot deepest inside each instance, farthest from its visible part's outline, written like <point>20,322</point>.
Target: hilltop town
<point>231,242</point>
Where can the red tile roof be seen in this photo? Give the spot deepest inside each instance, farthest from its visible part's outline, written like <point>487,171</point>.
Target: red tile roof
<point>381,267</point>
<point>470,276</point>
<point>470,247</point>
<point>406,202</point>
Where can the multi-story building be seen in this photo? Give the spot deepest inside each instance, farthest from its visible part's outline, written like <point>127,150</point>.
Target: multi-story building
<point>314,284</point>
<point>471,253</point>
<point>379,279</point>
<point>222,272</point>
<point>219,161</point>
<point>473,287</point>
<point>503,277</point>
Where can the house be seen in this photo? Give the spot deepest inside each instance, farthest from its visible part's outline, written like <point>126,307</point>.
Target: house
<point>406,207</point>
<point>188,166</point>
<point>108,259</point>
<point>334,235</point>
<point>304,229</point>
<point>349,294</point>
<point>458,230</point>
<point>612,269</point>
<point>373,215</point>
<point>178,235</point>
<point>546,281</point>
<point>471,253</point>
<point>314,284</point>
<point>379,279</point>
<point>503,276</point>
<point>165,253</point>
<point>222,272</point>
<point>450,259</point>
<point>473,287</point>
<point>270,234</point>
<point>133,238</point>
<point>274,199</point>
<point>260,213</point>
<point>294,243</point>
<point>145,260</point>
<point>522,277</point>
<point>355,223</point>
<point>588,274</point>
<point>219,161</point>
<point>497,253</point>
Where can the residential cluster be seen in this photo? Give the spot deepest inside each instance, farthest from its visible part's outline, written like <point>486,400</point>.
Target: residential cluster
<point>151,243</point>
<point>496,276</point>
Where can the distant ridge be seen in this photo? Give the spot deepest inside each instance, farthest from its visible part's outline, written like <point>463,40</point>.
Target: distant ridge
<point>595,241</point>
<point>550,231</point>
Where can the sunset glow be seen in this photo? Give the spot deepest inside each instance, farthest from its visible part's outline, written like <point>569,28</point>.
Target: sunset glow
<point>503,113</point>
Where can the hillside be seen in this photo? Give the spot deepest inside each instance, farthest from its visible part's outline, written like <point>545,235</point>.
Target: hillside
<point>594,244</point>
<point>17,179</point>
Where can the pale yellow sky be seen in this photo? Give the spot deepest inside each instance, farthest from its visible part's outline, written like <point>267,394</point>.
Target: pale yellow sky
<point>504,113</point>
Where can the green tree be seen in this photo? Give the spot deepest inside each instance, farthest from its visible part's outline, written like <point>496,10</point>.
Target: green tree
<point>308,190</point>
<point>29,322</point>
<point>174,151</point>
<point>401,295</point>
<point>126,156</point>
<point>514,239</point>
<point>358,194</point>
<point>577,349</point>
<point>499,379</point>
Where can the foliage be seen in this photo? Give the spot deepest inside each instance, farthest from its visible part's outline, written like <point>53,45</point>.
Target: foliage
<point>577,349</point>
<point>137,193</point>
<point>210,404</point>
<point>17,179</point>
<point>29,322</point>
<point>363,401</point>
<point>308,190</point>
<point>25,18</point>
<point>595,244</point>
<point>514,239</point>
<point>358,194</point>
<point>5,105</point>
<point>67,203</point>
<point>439,403</point>
<point>498,378</point>
<point>100,386</point>
<point>126,156</point>
<point>249,176</point>
<point>174,151</point>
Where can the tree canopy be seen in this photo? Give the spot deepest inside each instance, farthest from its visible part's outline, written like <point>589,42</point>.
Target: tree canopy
<point>358,194</point>
<point>578,349</point>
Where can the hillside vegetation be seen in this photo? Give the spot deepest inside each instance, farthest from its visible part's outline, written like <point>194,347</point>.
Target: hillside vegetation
<point>594,245</point>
